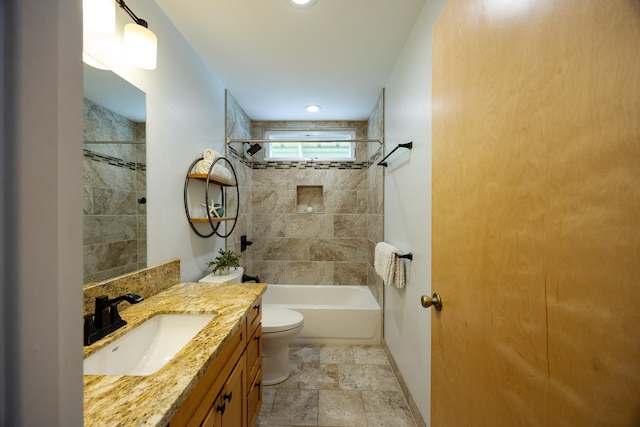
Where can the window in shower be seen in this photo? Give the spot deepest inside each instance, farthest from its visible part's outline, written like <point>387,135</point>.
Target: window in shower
<point>307,145</point>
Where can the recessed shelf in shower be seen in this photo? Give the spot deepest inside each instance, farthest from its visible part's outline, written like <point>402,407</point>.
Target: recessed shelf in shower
<point>310,199</point>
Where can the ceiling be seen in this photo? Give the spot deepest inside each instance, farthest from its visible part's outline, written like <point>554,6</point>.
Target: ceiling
<point>275,58</point>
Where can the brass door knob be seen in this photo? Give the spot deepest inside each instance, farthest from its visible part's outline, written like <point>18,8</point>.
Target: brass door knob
<point>428,301</point>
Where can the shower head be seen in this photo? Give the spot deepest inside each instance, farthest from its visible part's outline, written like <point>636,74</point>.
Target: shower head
<point>253,148</point>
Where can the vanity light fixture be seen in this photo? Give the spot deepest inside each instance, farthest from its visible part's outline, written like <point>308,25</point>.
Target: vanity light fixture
<point>312,108</point>
<point>140,43</point>
<point>99,16</point>
<point>303,3</point>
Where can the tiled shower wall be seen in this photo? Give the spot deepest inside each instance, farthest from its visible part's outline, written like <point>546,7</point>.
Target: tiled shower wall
<point>334,243</point>
<point>375,187</point>
<point>114,178</point>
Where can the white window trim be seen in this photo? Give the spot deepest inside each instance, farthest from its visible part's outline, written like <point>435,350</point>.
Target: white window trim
<point>310,135</point>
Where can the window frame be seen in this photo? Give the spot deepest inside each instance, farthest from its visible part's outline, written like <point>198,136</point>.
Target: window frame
<point>298,136</point>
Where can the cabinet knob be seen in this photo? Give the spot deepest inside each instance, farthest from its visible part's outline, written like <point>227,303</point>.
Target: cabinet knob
<point>228,396</point>
<point>221,408</point>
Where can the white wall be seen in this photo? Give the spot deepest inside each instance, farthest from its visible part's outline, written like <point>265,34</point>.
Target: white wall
<point>185,115</point>
<point>41,213</point>
<point>407,206</point>
<point>41,177</point>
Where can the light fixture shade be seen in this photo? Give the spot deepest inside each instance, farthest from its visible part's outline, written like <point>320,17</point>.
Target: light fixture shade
<point>90,60</point>
<point>140,46</point>
<point>312,108</point>
<point>99,16</point>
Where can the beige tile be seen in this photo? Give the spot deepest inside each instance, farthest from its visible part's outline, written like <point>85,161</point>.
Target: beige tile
<point>354,250</point>
<point>387,408</point>
<point>367,377</point>
<point>350,273</point>
<point>341,408</point>
<point>347,179</point>
<point>268,395</point>
<point>349,226</point>
<point>282,249</point>
<point>317,376</point>
<point>335,353</point>
<point>294,407</point>
<point>269,271</point>
<point>267,225</point>
<point>341,201</point>
<point>291,382</point>
<point>309,273</point>
<point>277,202</point>
<point>369,355</point>
<point>304,353</point>
<point>309,225</point>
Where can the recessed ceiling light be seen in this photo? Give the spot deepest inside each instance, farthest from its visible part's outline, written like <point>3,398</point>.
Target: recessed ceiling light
<point>303,3</point>
<point>312,108</point>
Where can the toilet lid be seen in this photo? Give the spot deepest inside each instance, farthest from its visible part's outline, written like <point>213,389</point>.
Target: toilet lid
<point>275,319</point>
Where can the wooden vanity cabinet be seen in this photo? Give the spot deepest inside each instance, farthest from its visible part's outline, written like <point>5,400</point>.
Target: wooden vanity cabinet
<point>229,394</point>
<point>254,363</point>
<point>230,407</point>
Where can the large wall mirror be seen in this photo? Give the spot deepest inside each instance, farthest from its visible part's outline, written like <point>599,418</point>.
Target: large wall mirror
<point>114,177</point>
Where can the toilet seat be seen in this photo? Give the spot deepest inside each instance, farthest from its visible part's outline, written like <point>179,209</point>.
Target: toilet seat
<point>276,319</point>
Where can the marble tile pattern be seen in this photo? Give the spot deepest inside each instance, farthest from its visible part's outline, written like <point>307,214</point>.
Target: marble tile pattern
<point>114,179</point>
<point>334,244</point>
<point>152,400</point>
<point>145,282</point>
<point>336,385</point>
<point>238,126</point>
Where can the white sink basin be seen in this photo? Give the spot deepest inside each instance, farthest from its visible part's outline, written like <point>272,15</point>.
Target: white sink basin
<point>148,347</point>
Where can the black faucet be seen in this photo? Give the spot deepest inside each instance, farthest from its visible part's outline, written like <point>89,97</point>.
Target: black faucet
<point>106,318</point>
<point>246,278</point>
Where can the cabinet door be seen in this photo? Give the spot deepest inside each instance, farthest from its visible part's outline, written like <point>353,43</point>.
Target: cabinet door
<point>254,355</point>
<point>254,399</point>
<point>214,416</point>
<point>234,398</point>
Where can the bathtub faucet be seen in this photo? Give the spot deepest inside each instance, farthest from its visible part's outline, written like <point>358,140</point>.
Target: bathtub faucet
<point>246,278</point>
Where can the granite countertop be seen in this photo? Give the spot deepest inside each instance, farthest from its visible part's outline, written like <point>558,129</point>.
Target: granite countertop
<point>118,400</point>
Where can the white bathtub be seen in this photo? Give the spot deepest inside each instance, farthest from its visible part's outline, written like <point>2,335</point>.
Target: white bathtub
<point>333,314</point>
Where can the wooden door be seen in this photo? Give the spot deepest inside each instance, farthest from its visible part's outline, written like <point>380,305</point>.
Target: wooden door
<point>536,213</point>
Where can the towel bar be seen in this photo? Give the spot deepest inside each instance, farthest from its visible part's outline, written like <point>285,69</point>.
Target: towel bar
<point>408,145</point>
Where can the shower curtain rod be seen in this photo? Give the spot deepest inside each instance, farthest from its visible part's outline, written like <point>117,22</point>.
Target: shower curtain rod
<point>114,142</point>
<point>253,141</point>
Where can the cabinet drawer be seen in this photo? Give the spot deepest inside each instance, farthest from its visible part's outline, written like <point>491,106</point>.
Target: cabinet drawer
<point>254,399</point>
<point>254,354</point>
<point>254,317</point>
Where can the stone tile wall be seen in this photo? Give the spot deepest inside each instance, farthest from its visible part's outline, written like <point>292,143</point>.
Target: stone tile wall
<point>334,243</point>
<point>114,178</point>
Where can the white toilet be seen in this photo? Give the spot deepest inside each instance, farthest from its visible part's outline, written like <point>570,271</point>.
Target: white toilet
<point>280,326</point>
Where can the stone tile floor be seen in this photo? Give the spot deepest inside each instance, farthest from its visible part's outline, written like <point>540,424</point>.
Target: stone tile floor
<point>336,385</point>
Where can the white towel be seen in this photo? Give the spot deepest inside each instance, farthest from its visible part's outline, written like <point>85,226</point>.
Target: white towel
<point>203,166</point>
<point>389,265</point>
<point>221,172</point>
<point>209,156</point>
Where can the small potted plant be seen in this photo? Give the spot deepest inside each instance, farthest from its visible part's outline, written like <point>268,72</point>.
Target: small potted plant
<point>224,261</point>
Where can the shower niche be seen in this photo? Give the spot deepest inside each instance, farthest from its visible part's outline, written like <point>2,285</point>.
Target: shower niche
<point>309,199</point>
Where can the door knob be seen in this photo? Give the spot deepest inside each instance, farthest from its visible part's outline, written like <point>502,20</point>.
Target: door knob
<point>428,301</point>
